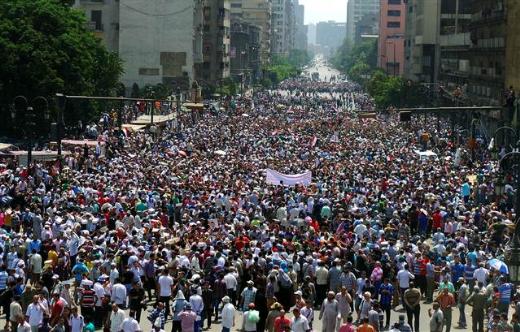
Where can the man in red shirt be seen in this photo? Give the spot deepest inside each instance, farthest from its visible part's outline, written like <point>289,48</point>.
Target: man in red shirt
<point>281,322</point>
<point>57,308</point>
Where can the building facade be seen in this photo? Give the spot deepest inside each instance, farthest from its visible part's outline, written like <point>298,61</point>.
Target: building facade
<point>245,51</point>
<point>391,36</point>
<point>300,34</point>
<point>454,44</point>
<point>283,27</point>
<point>356,10</point>
<point>422,40</point>
<point>215,65</point>
<point>329,36</point>
<point>513,45</point>
<point>103,20</point>
<point>257,12</point>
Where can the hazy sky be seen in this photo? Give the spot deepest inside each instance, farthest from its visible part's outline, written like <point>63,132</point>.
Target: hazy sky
<point>324,10</point>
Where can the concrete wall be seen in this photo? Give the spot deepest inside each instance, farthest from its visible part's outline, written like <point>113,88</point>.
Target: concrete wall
<point>156,40</point>
<point>513,45</point>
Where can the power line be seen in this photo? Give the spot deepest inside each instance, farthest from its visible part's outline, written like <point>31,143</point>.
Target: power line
<point>157,15</point>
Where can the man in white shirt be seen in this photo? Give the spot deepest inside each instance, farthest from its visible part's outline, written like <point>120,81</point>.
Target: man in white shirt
<point>76,321</point>
<point>117,317</point>
<point>165,285</point>
<point>119,294</point>
<point>228,314</point>
<point>231,285</point>
<point>34,313</point>
<point>299,322</point>
<point>481,274</point>
<point>130,324</point>
<point>36,266</point>
<point>404,276</point>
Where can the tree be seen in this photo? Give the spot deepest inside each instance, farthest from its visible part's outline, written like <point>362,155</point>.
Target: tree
<point>353,59</point>
<point>45,48</point>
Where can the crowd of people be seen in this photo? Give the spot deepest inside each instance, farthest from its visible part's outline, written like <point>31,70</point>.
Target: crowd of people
<point>180,228</point>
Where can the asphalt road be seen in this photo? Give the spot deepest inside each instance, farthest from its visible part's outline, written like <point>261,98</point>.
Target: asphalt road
<point>320,66</point>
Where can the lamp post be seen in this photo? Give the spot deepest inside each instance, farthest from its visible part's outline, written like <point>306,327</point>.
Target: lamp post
<point>511,162</point>
<point>178,109</point>
<point>25,116</point>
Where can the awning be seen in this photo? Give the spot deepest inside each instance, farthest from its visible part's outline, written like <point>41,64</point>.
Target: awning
<point>5,146</point>
<point>88,142</point>
<point>134,127</point>
<point>36,156</point>
<point>157,119</point>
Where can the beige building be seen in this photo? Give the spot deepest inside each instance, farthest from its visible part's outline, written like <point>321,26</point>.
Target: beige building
<point>215,64</point>
<point>257,12</point>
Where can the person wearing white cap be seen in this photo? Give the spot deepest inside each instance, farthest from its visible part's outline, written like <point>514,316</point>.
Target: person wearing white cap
<point>227,314</point>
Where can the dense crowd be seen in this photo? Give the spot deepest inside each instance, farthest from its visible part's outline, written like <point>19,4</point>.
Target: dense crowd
<point>182,227</point>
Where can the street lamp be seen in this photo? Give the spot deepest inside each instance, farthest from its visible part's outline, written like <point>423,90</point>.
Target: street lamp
<point>178,109</point>
<point>511,162</point>
<point>25,116</point>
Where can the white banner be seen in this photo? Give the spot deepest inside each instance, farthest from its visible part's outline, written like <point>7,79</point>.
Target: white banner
<point>274,177</point>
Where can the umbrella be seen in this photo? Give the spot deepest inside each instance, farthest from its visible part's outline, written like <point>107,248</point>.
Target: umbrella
<point>498,265</point>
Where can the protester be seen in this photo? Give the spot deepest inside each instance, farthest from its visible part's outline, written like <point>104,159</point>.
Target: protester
<point>189,214</point>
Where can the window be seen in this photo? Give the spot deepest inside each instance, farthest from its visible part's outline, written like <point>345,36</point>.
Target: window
<point>393,25</point>
<point>95,16</point>
<point>149,71</point>
<point>394,2</point>
<point>395,13</point>
<point>236,5</point>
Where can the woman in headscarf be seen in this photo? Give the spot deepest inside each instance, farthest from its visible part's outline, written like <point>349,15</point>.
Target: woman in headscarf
<point>177,307</point>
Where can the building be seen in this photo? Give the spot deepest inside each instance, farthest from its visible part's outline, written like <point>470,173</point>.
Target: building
<point>216,43</point>
<point>513,45</point>
<point>311,34</point>
<point>245,51</point>
<point>103,20</point>
<point>367,27</point>
<point>282,27</point>
<point>391,36</point>
<point>330,36</point>
<point>487,55</point>
<point>356,10</point>
<point>454,43</point>
<point>257,12</point>
<point>422,40</point>
<point>300,34</point>
<point>152,55</point>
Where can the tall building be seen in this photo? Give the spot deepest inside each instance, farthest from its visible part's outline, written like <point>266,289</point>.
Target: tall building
<point>216,42</point>
<point>489,29</point>
<point>454,43</point>
<point>391,37</point>
<point>330,36</point>
<point>245,51</point>
<point>311,34</point>
<point>422,40</point>
<point>513,45</point>
<point>356,10</point>
<point>159,41</point>
<point>282,27</point>
<point>257,12</point>
<point>151,54</point>
<point>300,34</point>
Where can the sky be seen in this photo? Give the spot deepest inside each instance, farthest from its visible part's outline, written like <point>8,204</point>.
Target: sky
<point>324,10</point>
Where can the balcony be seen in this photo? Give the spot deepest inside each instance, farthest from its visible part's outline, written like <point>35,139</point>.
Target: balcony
<point>453,40</point>
<point>493,17</point>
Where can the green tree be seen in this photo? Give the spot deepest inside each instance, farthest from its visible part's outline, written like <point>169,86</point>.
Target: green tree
<point>45,48</point>
<point>356,59</point>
